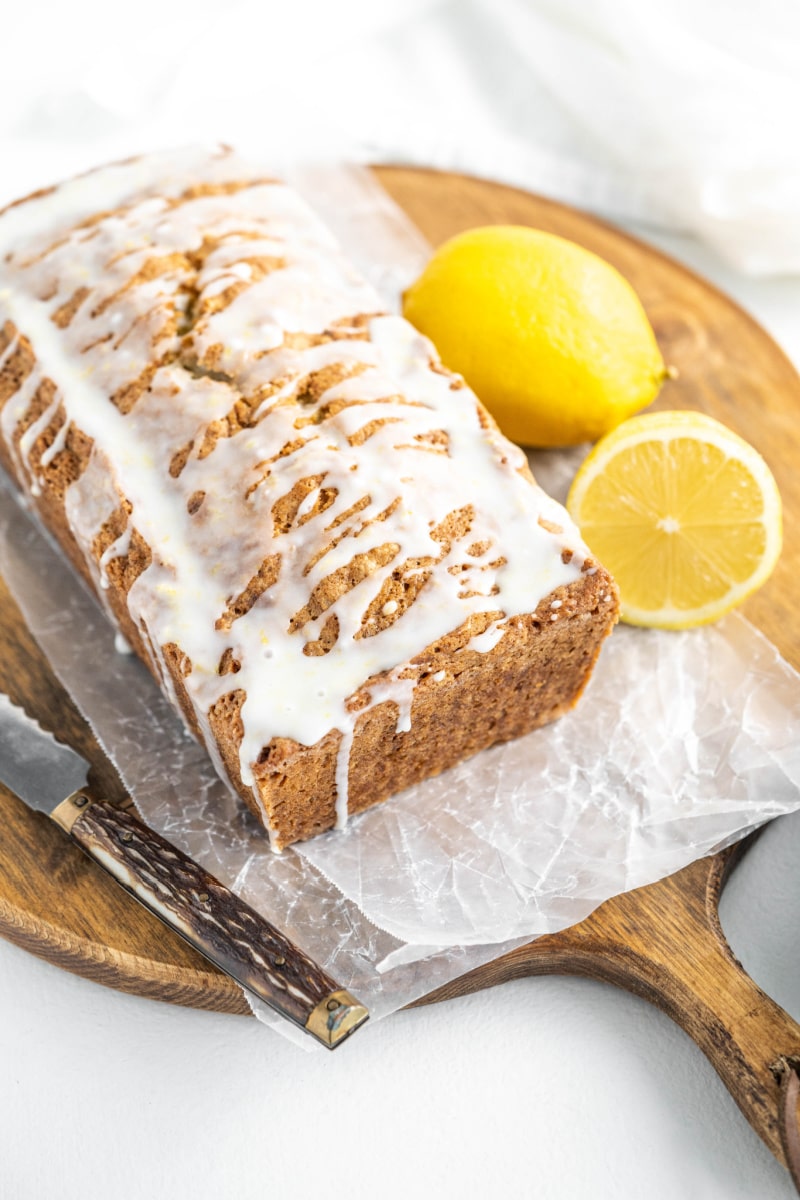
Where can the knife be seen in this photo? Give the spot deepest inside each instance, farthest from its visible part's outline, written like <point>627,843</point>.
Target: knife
<point>226,930</point>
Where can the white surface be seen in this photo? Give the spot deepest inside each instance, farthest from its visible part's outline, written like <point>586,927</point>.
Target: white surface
<point>546,1087</point>
<point>549,1088</point>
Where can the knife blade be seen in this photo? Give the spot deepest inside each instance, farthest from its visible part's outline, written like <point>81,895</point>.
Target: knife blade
<point>51,777</point>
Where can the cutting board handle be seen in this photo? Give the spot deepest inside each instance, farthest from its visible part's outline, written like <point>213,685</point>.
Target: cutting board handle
<point>678,958</point>
<point>665,943</point>
<point>672,951</point>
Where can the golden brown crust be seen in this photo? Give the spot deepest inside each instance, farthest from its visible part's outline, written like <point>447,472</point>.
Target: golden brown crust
<point>463,700</point>
<point>534,674</point>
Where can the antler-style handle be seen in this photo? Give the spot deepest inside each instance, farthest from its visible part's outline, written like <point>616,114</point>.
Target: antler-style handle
<point>226,930</point>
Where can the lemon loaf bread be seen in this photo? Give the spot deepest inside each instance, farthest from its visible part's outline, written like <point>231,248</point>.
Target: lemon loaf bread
<point>341,574</point>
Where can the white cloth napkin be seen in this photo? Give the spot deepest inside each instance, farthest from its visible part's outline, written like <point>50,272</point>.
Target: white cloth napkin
<point>681,114</point>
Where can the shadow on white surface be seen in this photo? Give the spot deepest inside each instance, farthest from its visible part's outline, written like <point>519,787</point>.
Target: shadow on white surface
<point>760,912</point>
<point>554,1088</point>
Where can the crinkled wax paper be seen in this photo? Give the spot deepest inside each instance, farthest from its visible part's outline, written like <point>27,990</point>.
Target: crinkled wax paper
<point>682,742</point>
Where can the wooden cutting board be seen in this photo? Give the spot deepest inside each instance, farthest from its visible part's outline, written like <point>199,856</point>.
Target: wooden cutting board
<point>662,942</point>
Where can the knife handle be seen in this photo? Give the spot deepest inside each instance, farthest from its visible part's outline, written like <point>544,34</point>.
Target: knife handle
<point>212,919</point>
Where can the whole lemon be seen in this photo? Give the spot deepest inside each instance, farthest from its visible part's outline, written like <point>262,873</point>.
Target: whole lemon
<point>551,337</point>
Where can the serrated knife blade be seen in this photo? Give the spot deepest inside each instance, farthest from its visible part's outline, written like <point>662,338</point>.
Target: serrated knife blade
<point>41,771</point>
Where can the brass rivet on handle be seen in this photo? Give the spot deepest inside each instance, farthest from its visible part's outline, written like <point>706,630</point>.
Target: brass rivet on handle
<point>80,801</point>
<point>280,961</point>
<point>203,897</point>
<point>336,1017</point>
<point>126,836</point>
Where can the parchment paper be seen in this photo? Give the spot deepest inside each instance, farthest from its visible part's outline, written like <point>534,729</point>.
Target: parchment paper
<point>682,743</point>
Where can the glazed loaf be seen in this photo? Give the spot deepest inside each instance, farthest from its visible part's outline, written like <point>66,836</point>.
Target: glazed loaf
<point>342,575</point>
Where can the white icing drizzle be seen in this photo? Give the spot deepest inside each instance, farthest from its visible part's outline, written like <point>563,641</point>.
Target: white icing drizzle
<point>9,351</point>
<point>343,773</point>
<point>484,642</point>
<point>117,549</point>
<point>32,435</point>
<point>13,412</point>
<point>56,446</point>
<point>399,689</point>
<point>230,289</point>
<point>121,645</point>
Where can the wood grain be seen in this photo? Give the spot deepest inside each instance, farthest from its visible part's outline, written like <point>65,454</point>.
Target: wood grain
<point>663,942</point>
<point>728,365</point>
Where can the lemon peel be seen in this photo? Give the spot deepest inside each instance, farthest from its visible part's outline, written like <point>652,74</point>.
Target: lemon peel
<point>552,338</point>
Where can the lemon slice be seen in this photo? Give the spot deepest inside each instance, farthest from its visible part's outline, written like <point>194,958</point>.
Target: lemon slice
<point>685,515</point>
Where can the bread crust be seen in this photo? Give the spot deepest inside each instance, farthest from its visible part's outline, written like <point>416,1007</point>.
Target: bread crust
<point>463,694</point>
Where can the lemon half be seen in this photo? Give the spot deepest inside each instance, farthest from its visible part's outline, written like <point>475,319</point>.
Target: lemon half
<point>684,513</point>
<point>551,337</point>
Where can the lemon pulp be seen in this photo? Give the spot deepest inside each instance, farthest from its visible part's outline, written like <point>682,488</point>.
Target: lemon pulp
<point>685,515</point>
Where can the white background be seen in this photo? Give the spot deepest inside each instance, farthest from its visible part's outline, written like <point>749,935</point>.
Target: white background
<point>547,1087</point>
